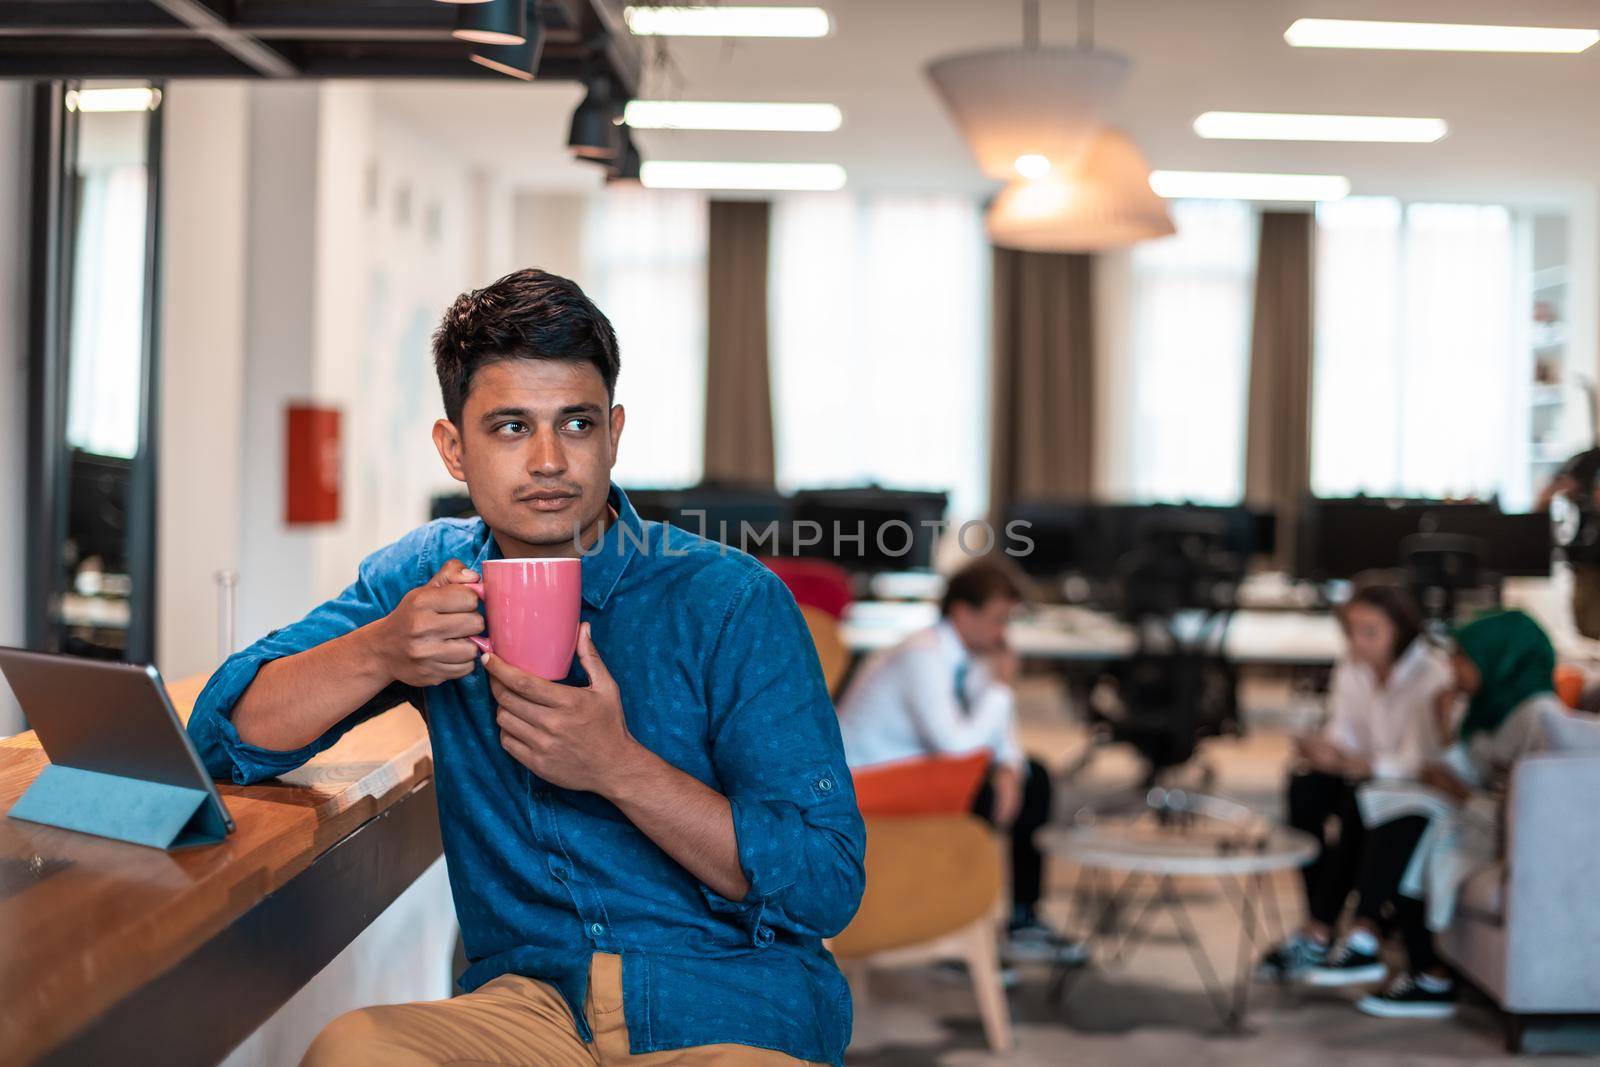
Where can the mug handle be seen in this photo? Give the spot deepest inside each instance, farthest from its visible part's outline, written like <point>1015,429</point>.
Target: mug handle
<point>482,642</point>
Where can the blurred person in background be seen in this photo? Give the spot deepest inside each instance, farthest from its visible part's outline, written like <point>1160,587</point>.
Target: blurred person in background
<point>948,690</point>
<point>1577,485</point>
<point>1382,724</point>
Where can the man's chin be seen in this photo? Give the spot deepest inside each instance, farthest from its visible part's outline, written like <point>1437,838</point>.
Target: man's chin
<point>556,530</point>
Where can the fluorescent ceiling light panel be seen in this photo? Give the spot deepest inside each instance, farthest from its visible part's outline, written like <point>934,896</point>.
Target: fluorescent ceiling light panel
<point>1267,126</point>
<point>724,21</point>
<point>1435,36</point>
<point>1227,185</point>
<point>679,174</point>
<point>139,98</point>
<point>721,115</point>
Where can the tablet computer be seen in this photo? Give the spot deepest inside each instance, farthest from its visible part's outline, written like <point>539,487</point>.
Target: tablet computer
<point>107,717</point>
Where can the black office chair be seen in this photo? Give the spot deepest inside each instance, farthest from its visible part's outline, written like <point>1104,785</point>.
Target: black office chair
<point>1447,575</point>
<point>1178,591</point>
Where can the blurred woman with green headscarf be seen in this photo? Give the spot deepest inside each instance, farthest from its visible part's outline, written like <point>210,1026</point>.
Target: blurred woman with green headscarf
<point>1426,839</point>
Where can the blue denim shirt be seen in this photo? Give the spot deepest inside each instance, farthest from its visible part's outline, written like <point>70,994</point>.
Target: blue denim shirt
<point>718,677</point>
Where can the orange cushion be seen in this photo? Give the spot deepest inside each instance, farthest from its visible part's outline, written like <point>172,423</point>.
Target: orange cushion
<point>923,785</point>
<point>1569,684</point>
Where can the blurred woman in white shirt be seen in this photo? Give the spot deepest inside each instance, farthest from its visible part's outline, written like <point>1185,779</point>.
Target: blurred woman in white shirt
<point>1383,722</point>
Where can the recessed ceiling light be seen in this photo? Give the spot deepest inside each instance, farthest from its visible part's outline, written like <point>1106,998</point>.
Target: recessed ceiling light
<point>679,174</point>
<point>1269,126</point>
<point>704,20</point>
<point>1032,165</point>
<point>1226,185</point>
<point>1436,36</point>
<point>720,115</point>
<point>140,98</point>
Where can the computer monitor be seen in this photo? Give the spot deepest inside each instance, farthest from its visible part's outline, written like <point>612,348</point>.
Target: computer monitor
<point>897,528</point>
<point>1340,538</point>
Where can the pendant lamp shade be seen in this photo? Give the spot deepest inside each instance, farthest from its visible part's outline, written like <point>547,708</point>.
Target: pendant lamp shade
<point>519,61</point>
<point>594,133</point>
<point>492,22</point>
<point>1029,101</point>
<point>1104,202</point>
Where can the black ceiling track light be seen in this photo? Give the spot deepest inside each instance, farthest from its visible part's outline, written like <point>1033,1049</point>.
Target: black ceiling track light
<point>498,22</point>
<point>517,60</point>
<point>595,134</point>
<point>626,166</point>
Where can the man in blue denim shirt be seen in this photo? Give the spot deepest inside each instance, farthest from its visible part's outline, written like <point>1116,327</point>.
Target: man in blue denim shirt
<point>645,857</point>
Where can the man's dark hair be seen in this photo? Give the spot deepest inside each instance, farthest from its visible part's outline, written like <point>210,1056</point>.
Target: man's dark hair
<point>528,314</point>
<point>978,583</point>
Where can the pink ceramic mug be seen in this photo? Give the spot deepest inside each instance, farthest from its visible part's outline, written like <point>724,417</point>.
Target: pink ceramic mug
<point>532,609</point>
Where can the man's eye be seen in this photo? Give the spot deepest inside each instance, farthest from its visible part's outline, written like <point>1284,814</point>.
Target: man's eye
<point>511,427</point>
<point>577,425</point>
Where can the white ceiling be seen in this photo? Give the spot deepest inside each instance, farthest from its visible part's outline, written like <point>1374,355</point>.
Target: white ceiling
<point>1522,127</point>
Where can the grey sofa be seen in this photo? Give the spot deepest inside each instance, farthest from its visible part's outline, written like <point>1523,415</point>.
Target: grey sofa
<point>1527,930</point>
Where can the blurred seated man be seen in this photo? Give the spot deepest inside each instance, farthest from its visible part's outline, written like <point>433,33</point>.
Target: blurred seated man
<point>947,690</point>
<point>1578,483</point>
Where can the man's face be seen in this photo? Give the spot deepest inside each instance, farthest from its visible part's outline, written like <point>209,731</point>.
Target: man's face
<point>983,629</point>
<point>536,444</point>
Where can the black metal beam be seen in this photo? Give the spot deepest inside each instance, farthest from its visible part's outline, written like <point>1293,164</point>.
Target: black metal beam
<point>205,21</point>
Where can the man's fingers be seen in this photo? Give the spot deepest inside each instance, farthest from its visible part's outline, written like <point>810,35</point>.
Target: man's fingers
<point>448,599</point>
<point>531,688</point>
<point>458,624</point>
<point>589,656</point>
<point>456,651</point>
<point>453,571</point>
<point>517,750</point>
<point>515,725</point>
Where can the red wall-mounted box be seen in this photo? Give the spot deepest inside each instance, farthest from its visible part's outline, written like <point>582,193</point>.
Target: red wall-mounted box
<point>312,476</point>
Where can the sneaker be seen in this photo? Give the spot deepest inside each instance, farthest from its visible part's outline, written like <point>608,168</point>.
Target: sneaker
<point>1354,962</point>
<point>1412,997</point>
<point>1031,941</point>
<point>1291,960</point>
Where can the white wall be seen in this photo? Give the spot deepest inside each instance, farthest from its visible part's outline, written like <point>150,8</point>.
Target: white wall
<point>202,335</point>
<point>14,216</point>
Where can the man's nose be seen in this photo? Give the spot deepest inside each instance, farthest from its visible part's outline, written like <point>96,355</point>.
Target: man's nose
<point>545,454</point>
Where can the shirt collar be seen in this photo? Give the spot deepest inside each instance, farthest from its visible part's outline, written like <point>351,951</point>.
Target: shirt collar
<point>605,560</point>
<point>950,642</point>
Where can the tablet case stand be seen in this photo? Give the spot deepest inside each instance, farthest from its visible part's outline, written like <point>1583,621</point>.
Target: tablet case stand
<point>127,809</point>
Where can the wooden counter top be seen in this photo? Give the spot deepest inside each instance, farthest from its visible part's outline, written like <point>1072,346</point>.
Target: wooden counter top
<point>86,922</point>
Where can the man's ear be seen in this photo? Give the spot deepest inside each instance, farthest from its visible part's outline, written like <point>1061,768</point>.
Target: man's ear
<point>618,417</point>
<point>447,439</point>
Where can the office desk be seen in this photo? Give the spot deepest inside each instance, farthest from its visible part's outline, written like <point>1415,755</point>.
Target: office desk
<point>1056,634</point>
<point>116,953</point>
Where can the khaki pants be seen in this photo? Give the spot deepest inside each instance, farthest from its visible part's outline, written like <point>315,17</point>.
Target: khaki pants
<point>1586,599</point>
<point>511,1022</point>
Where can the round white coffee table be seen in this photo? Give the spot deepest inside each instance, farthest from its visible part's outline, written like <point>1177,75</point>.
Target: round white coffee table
<point>1123,856</point>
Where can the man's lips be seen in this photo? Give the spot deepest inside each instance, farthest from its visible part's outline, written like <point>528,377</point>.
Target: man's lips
<point>548,500</point>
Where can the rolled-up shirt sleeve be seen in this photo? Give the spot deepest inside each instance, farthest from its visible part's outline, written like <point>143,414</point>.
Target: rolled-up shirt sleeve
<point>777,752</point>
<point>383,579</point>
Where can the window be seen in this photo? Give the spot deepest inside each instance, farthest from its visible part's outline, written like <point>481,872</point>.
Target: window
<point>645,267</point>
<point>879,344</point>
<point>1418,386</point>
<point>1190,303</point>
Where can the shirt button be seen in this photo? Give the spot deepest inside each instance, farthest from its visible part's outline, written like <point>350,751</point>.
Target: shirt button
<point>596,929</point>
<point>825,784</point>
<point>764,935</point>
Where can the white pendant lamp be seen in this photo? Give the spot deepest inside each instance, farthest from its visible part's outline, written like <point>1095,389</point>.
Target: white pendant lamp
<point>1031,101</point>
<point>1104,202</point>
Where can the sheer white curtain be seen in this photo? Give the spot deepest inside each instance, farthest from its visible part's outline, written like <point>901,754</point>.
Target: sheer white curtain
<point>645,267</point>
<point>879,343</point>
<point>107,329</point>
<point>1190,301</point>
<point>1418,382</point>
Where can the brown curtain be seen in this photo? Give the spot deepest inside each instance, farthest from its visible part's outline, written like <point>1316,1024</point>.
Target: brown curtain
<point>1042,411</point>
<point>1278,449</point>
<point>738,422</point>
